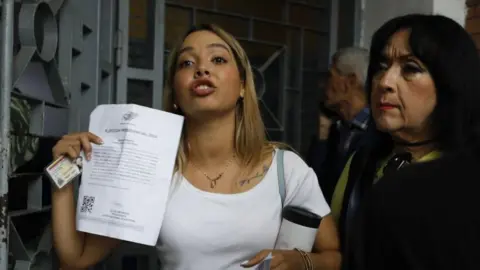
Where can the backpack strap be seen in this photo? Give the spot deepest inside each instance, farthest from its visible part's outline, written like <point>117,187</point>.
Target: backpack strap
<point>281,175</point>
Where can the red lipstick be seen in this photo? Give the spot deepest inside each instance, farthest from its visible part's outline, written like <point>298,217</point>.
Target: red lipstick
<point>386,106</point>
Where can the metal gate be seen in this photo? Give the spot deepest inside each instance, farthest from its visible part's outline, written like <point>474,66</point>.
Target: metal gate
<point>62,54</point>
<point>71,55</point>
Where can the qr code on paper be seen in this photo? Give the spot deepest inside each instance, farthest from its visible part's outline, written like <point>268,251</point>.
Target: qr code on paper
<point>87,204</point>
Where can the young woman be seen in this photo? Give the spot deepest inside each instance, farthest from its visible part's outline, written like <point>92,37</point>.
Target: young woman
<point>226,207</point>
<point>423,82</point>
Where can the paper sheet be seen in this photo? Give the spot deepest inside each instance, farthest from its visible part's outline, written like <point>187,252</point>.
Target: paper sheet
<point>124,187</point>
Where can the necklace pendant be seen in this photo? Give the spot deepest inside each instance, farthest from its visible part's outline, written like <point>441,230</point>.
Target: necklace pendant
<point>213,183</point>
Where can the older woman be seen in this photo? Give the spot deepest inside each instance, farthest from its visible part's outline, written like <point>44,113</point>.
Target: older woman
<point>226,207</point>
<point>423,81</point>
<point>424,216</point>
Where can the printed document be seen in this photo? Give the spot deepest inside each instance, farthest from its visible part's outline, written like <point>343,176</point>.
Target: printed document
<point>125,186</point>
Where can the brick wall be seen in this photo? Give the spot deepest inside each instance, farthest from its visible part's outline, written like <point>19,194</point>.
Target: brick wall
<point>472,21</point>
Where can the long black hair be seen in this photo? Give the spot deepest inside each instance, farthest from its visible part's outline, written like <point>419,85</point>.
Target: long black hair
<point>452,59</point>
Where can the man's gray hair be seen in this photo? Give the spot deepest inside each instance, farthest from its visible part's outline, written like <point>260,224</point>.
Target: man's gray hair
<point>352,60</point>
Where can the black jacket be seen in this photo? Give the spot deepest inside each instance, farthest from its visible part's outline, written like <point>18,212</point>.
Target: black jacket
<point>322,157</point>
<point>425,217</point>
<point>328,158</point>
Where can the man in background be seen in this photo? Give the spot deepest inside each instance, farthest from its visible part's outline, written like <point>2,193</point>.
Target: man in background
<point>344,117</point>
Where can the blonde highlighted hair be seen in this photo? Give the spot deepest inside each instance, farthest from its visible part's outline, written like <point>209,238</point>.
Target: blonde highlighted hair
<point>251,144</point>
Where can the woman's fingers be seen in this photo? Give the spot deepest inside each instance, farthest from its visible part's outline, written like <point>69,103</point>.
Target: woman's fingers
<point>72,144</point>
<point>72,152</point>
<point>86,145</point>
<point>94,138</point>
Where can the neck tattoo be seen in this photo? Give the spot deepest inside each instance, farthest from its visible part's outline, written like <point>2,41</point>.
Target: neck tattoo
<point>256,176</point>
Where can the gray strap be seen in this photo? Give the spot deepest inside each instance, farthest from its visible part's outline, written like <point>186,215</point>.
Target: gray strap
<point>281,175</point>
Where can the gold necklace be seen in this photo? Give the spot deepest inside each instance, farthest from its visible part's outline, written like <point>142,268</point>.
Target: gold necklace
<point>213,180</point>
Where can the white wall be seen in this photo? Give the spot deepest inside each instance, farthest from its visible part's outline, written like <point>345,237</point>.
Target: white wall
<point>455,9</point>
<point>376,12</point>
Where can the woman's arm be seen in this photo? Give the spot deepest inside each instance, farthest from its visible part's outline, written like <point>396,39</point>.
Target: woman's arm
<point>303,190</point>
<point>326,252</point>
<point>325,256</point>
<point>75,249</point>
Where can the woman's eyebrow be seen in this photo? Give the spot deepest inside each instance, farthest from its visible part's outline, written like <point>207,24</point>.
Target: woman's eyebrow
<point>211,45</point>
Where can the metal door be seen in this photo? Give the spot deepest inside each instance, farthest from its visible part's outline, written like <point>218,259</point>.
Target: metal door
<point>62,54</point>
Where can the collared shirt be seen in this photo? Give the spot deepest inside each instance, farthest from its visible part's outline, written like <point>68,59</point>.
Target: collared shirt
<point>347,130</point>
<point>361,119</point>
